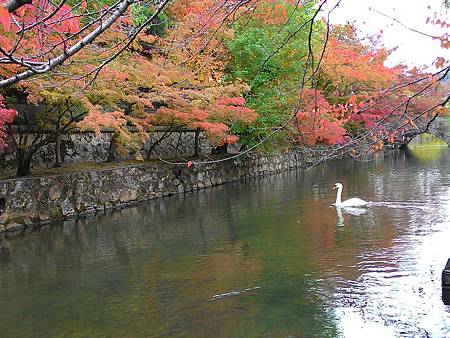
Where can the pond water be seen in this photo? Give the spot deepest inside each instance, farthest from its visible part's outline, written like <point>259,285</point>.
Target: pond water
<point>268,257</point>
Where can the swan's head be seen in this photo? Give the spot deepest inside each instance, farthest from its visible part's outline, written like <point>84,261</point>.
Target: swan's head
<point>337,186</point>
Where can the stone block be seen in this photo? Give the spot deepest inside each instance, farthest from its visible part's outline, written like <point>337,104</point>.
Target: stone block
<point>54,192</point>
<point>13,227</point>
<point>67,208</point>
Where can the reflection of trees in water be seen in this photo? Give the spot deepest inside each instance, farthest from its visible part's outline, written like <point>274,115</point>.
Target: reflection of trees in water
<point>152,269</point>
<point>405,176</point>
<point>100,263</point>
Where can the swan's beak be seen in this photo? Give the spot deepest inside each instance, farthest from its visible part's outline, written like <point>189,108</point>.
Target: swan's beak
<point>334,187</point>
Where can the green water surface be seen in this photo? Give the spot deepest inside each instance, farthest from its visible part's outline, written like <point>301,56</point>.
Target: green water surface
<point>264,258</point>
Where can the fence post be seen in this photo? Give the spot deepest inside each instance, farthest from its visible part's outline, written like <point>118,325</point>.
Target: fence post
<point>58,161</point>
<point>197,143</point>
<point>446,284</point>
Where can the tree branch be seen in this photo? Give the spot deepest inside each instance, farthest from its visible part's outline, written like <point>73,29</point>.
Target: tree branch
<point>66,54</point>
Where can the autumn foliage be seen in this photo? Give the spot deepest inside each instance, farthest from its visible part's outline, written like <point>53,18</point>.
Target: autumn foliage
<point>235,70</point>
<point>318,121</point>
<point>6,116</point>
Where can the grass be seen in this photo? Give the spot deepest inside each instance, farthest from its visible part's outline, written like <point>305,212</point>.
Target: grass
<point>427,140</point>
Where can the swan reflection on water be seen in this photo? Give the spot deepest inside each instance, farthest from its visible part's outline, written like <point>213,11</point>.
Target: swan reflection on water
<point>355,211</point>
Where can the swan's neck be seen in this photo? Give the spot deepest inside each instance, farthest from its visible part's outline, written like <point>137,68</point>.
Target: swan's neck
<point>339,196</point>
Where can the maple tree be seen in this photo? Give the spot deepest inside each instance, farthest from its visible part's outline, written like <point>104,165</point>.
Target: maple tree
<point>132,93</point>
<point>39,36</point>
<point>236,70</point>
<point>317,120</point>
<point>6,116</point>
<point>358,97</point>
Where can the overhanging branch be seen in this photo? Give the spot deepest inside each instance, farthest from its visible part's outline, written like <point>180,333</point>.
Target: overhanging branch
<point>66,54</point>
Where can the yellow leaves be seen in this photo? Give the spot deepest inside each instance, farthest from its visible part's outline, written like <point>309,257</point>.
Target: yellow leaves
<point>147,38</point>
<point>378,145</point>
<point>439,62</point>
<point>164,80</point>
<point>354,153</point>
<point>442,111</point>
<point>142,100</point>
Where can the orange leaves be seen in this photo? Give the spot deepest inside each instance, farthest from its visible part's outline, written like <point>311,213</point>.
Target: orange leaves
<point>439,62</point>
<point>230,101</point>
<point>229,139</point>
<point>199,114</point>
<point>33,37</point>
<point>145,102</point>
<point>273,12</point>
<point>213,128</point>
<point>232,109</point>
<point>442,111</point>
<point>5,42</point>
<point>96,119</point>
<point>358,89</point>
<point>5,18</point>
<point>347,61</point>
<point>214,119</point>
<point>330,132</point>
<point>378,145</point>
<point>319,129</point>
<point>199,43</point>
<point>6,116</point>
<point>316,123</point>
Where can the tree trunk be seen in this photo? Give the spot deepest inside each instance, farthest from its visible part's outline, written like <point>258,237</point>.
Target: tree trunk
<point>197,143</point>
<point>166,134</point>
<point>112,153</point>
<point>220,150</point>
<point>58,161</point>
<point>24,157</point>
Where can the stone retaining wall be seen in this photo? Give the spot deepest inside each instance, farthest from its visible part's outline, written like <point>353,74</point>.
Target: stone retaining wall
<point>441,128</point>
<point>85,147</point>
<point>39,200</point>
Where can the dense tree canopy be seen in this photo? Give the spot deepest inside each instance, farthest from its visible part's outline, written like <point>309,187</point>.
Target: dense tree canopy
<point>238,70</point>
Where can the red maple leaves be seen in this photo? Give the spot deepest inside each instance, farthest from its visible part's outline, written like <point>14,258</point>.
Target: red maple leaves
<point>5,18</point>
<point>6,116</point>
<point>213,119</point>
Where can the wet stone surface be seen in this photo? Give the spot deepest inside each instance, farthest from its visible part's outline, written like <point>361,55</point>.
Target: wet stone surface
<point>38,200</point>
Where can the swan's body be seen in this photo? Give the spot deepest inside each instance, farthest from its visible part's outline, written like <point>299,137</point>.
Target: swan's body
<point>355,211</point>
<point>352,202</point>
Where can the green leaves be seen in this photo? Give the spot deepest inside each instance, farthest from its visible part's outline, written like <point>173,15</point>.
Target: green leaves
<point>269,52</point>
<point>142,12</point>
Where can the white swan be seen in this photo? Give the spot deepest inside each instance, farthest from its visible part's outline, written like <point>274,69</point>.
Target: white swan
<point>355,211</point>
<point>352,202</point>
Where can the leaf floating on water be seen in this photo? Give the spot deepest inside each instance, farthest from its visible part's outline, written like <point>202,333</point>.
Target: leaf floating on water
<point>233,293</point>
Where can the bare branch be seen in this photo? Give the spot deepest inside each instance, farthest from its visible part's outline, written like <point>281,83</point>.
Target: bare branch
<point>66,54</point>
